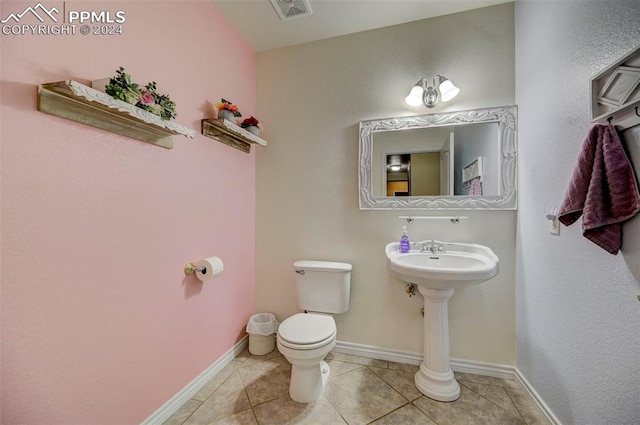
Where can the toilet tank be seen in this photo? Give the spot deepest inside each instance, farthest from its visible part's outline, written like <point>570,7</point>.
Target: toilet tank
<point>323,286</point>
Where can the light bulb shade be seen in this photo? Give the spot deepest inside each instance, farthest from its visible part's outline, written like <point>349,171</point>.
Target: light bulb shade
<point>448,91</point>
<point>396,167</point>
<point>415,96</point>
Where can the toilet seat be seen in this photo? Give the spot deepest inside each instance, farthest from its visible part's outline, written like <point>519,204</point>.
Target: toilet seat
<point>307,331</point>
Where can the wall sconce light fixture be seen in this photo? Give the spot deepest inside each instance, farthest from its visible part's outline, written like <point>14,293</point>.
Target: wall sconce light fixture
<point>425,92</point>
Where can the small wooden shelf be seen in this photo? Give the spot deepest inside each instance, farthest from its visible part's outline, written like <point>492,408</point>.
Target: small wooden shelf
<point>230,134</point>
<point>77,102</point>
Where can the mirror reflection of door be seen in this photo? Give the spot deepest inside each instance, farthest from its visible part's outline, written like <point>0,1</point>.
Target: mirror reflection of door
<point>428,173</point>
<point>424,174</point>
<point>446,166</point>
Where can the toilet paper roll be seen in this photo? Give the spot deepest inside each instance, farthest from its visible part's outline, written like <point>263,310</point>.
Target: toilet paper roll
<point>212,267</point>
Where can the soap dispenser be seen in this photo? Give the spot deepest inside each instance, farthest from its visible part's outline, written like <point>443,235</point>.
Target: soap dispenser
<point>405,245</point>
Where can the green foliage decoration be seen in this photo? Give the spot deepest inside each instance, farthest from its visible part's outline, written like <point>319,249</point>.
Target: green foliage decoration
<point>146,97</point>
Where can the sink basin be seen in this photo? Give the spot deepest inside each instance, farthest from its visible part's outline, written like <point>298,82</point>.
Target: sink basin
<point>462,264</point>
<point>438,274</point>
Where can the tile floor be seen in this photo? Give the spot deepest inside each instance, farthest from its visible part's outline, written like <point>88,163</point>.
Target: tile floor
<point>253,390</point>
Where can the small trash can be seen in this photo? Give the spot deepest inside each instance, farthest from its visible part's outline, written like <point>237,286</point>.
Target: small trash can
<point>262,329</point>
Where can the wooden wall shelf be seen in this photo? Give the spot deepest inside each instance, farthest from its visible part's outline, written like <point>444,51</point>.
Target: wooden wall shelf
<point>230,134</point>
<point>77,102</point>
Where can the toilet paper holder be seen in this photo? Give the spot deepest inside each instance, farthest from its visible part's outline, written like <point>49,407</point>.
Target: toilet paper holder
<point>205,269</point>
<point>191,268</point>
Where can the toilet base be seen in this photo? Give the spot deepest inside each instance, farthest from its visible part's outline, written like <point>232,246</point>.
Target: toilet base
<point>308,383</point>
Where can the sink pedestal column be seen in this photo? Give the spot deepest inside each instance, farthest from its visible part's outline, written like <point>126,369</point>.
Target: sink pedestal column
<point>435,377</point>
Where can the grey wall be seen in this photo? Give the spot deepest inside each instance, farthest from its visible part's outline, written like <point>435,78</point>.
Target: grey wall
<point>311,98</point>
<point>578,315</point>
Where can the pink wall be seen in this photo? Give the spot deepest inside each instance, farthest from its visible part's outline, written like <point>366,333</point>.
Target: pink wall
<point>99,323</point>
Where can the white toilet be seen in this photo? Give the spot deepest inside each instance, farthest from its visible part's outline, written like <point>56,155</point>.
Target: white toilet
<point>304,339</point>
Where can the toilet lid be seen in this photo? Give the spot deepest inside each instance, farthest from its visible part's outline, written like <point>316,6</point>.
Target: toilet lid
<point>307,328</point>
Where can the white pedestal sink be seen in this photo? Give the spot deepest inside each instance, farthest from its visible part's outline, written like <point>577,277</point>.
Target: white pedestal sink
<point>438,268</point>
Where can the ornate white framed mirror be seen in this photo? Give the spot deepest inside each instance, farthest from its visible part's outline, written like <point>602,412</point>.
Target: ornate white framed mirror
<point>454,161</point>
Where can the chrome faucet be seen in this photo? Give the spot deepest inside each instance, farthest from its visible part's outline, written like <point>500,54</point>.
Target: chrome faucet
<point>433,247</point>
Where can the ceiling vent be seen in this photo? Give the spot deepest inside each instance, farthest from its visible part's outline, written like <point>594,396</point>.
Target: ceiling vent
<point>288,9</point>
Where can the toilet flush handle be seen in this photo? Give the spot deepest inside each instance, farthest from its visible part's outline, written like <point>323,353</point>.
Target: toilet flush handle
<point>300,271</point>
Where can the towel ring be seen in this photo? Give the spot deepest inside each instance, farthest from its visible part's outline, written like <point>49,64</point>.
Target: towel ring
<point>611,118</point>
<point>637,111</point>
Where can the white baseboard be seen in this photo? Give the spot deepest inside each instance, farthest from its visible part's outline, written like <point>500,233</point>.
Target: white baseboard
<point>408,357</point>
<point>378,353</point>
<point>170,407</point>
<point>537,400</point>
<point>457,365</point>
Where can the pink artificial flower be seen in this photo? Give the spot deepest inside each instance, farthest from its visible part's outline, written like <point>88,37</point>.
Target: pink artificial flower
<point>147,98</point>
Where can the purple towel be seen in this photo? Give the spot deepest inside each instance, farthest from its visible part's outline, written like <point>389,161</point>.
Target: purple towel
<point>475,187</point>
<point>603,188</point>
